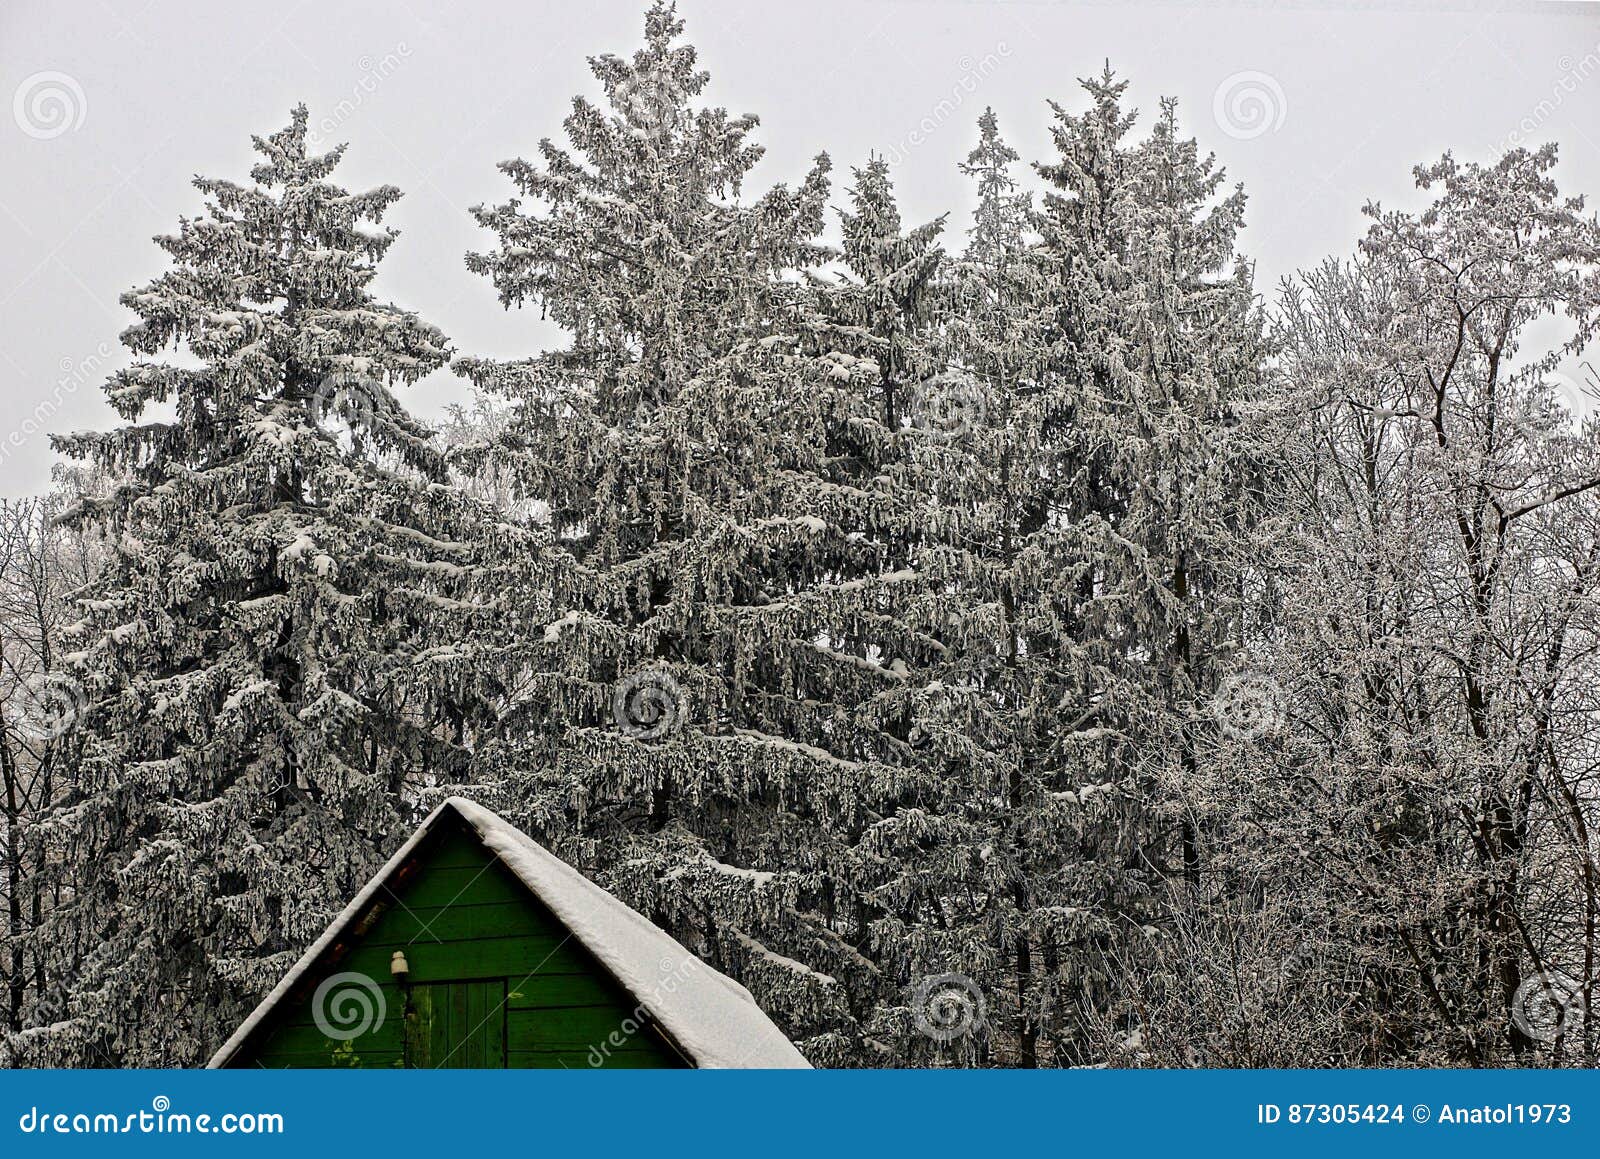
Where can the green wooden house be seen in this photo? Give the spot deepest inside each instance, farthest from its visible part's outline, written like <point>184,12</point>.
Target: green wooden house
<point>475,947</point>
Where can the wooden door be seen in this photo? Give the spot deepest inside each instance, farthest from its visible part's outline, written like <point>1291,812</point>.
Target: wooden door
<point>456,1026</point>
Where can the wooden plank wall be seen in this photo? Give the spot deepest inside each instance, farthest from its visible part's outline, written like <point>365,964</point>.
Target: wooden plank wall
<point>462,917</point>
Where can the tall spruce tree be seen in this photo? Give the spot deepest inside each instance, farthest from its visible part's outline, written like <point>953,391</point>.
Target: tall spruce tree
<point>923,865</point>
<point>884,304</point>
<point>718,714</point>
<point>281,650</point>
<point>995,716</point>
<point>1155,349</point>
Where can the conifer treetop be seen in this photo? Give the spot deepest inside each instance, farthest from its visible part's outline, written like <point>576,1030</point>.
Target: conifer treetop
<point>270,290</point>
<point>636,229</point>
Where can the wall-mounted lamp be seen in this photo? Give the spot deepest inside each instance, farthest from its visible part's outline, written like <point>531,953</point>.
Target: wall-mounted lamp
<point>399,967</point>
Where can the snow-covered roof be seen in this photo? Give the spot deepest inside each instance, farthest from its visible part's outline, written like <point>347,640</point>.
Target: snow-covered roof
<point>712,1019</point>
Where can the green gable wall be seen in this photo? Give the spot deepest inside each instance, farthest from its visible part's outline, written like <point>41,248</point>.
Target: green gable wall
<point>495,981</point>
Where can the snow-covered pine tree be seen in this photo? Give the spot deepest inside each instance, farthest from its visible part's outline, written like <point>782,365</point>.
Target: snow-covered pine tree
<point>884,305</point>
<point>720,709</point>
<point>925,862</point>
<point>1156,349</point>
<point>281,649</point>
<point>998,237</point>
<point>990,716</point>
<point>959,858</point>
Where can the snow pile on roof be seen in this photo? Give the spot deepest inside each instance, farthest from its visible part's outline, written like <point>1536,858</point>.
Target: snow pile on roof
<point>708,1014</point>
<point>711,1018</point>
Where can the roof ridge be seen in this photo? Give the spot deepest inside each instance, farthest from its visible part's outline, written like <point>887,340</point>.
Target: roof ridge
<point>712,1018</point>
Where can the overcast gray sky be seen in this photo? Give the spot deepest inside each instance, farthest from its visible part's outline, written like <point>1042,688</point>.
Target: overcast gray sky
<point>1316,107</point>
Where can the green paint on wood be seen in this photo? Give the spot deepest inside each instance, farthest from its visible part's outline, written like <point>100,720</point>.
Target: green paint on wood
<point>495,981</point>
<point>461,1025</point>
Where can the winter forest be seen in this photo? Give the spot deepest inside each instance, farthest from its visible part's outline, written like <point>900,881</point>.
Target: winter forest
<point>1010,640</point>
